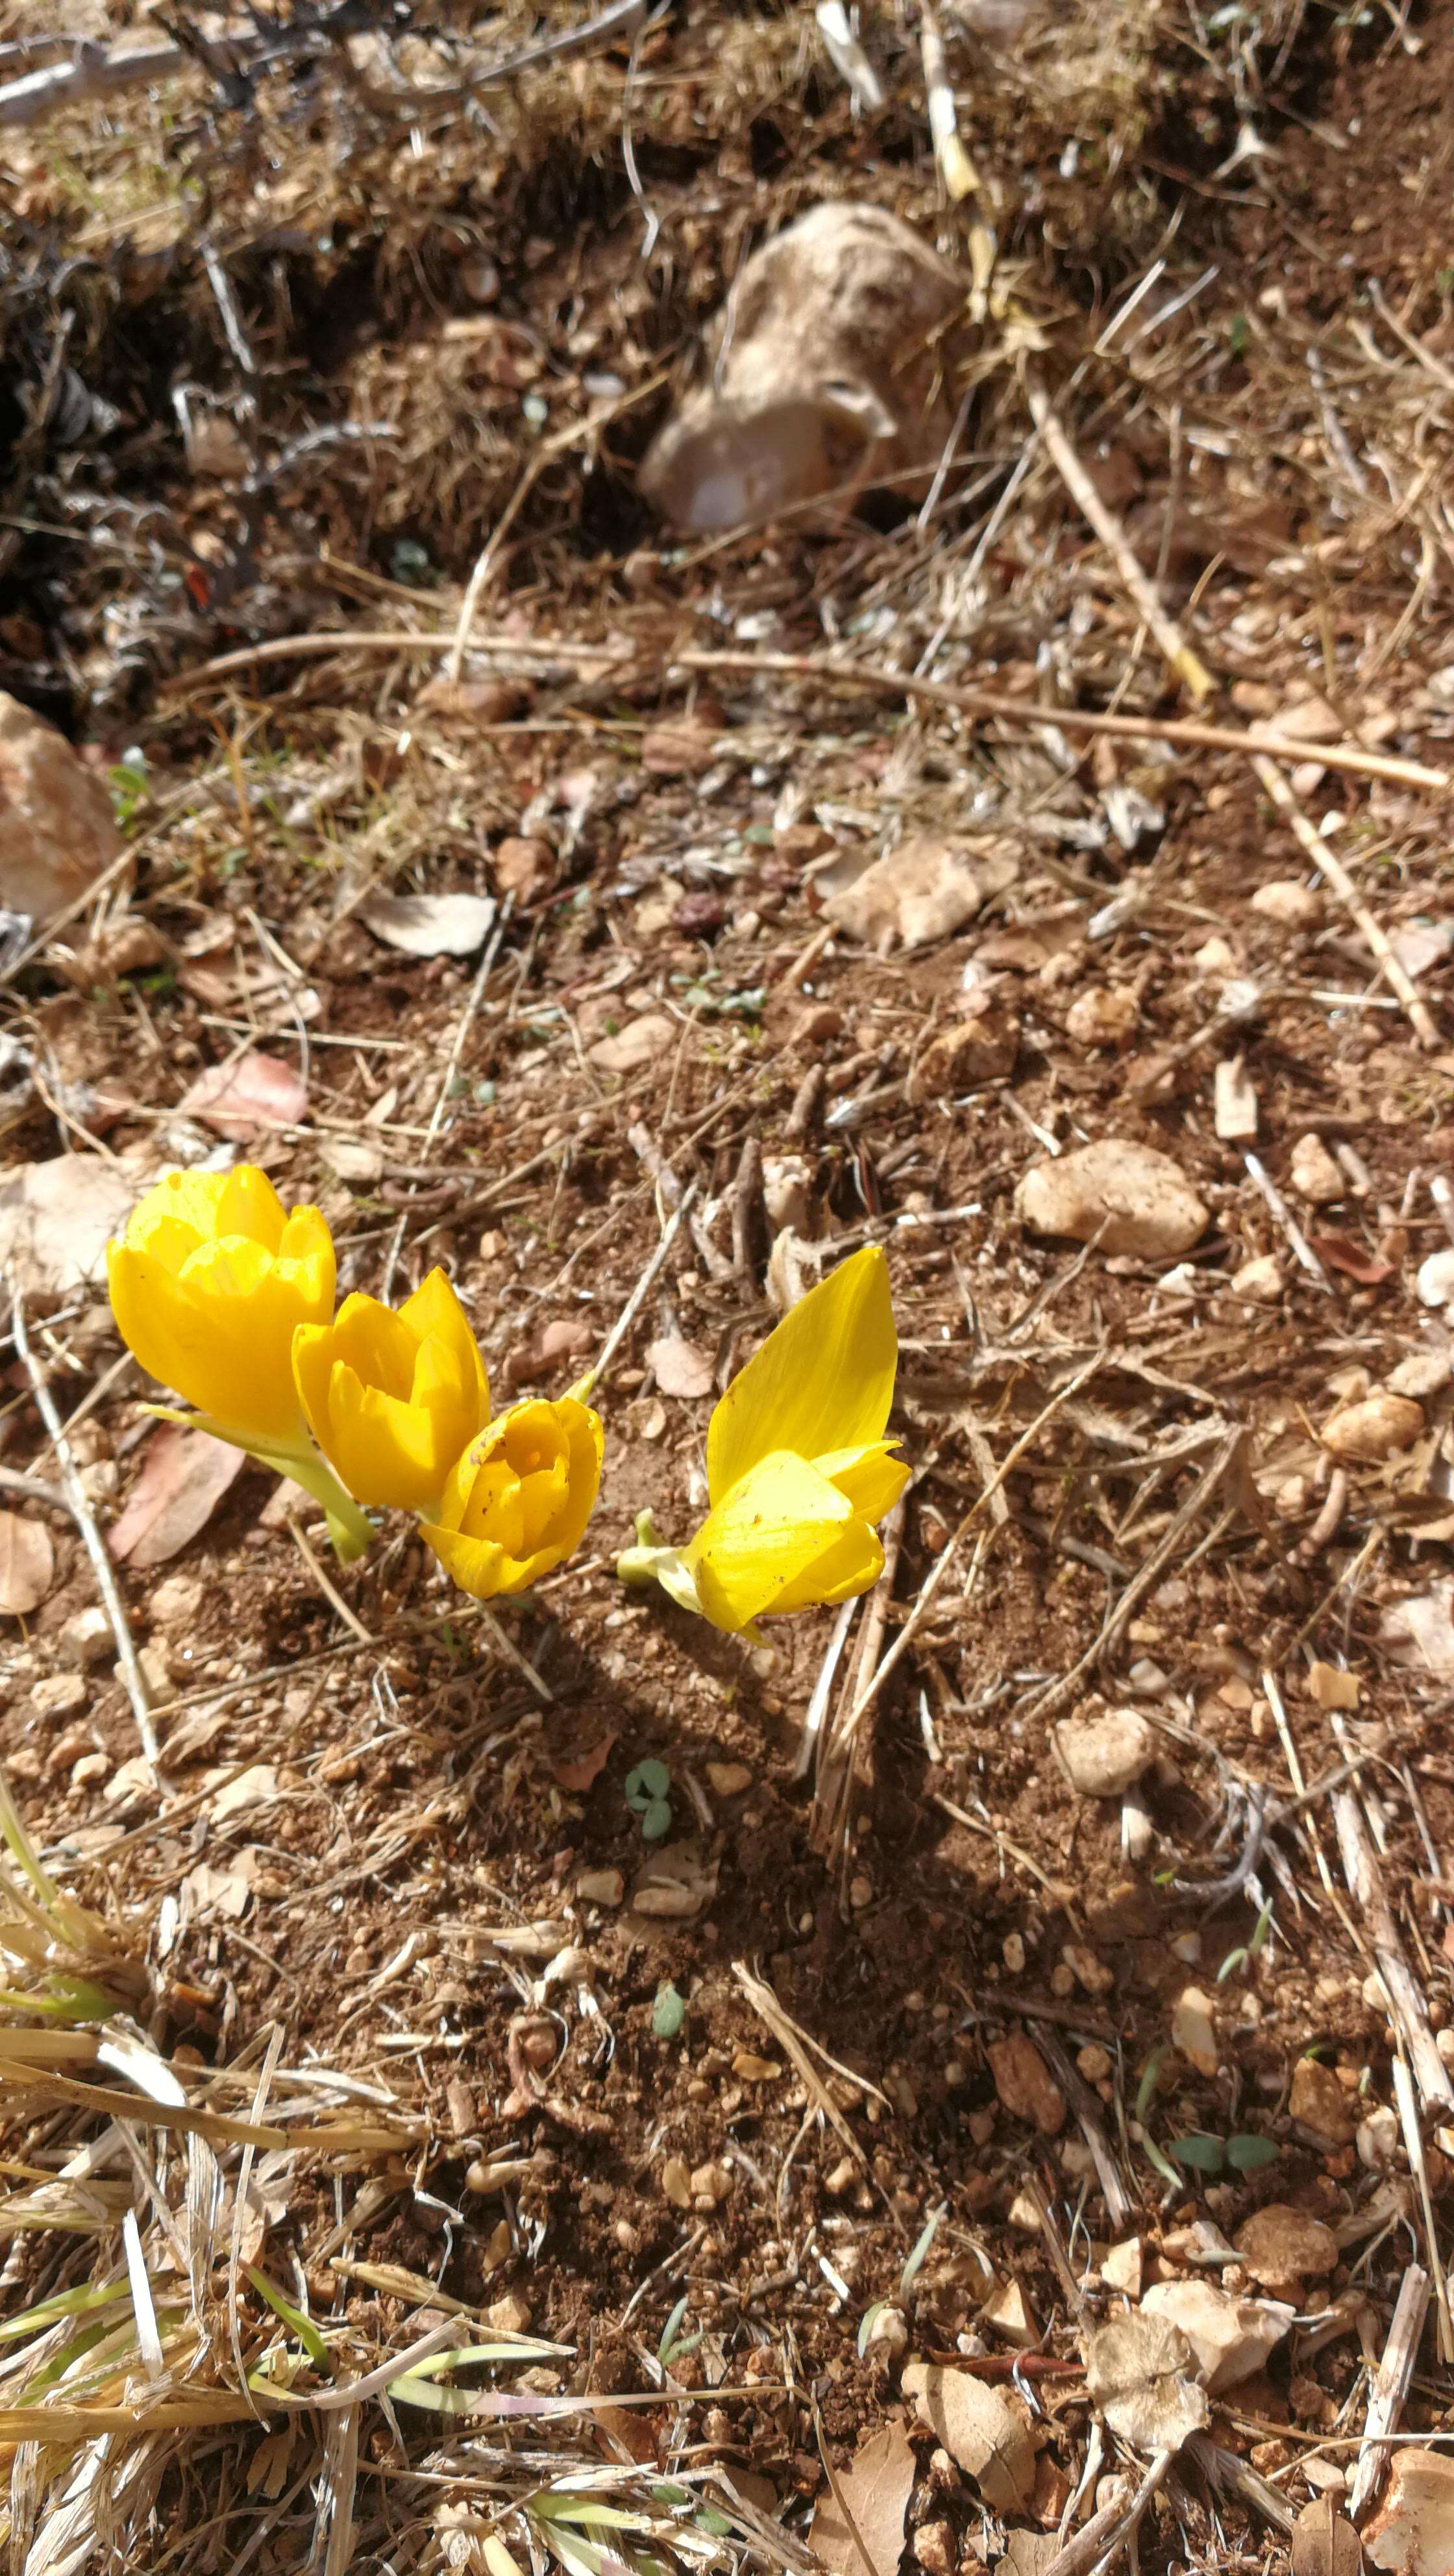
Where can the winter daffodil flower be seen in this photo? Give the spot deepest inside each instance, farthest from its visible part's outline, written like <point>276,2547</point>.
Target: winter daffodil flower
<point>519,1499</point>
<point>209,1283</point>
<point>391,1396</point>
<point>798,1469</point>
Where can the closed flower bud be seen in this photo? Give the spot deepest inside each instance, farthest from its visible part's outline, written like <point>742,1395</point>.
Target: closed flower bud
<point>208,1285</point>
<point>518,1501</point>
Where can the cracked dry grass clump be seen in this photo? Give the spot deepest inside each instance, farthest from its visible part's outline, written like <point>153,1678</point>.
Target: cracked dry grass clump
<point>961,2077</point>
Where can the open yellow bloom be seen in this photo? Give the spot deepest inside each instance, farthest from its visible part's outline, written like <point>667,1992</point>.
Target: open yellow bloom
<point>392,1397</point>
<point>798,1469</point>
<point>519,1499</point>
<point>209,1284</point>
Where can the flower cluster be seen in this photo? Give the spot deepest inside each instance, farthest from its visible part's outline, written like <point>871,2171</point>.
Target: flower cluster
<point>228,1298</point>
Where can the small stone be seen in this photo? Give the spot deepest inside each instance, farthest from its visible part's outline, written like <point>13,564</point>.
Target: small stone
<point>86,1639</point>
<point>639,1044</point>
<point>1331,1687</point>
<point>92,1766</point>
<point>1121,2267</point>
<point>1374,1428</point>
<point>936,2549</point>
<point>860,1893</point>
<point>1094,2062</point>
<point>1413,2530</point>
<point>676,2182</point>
<point>1008,2310</point>
<point>841,2179</point>
<point>1104,1755</point>
<point>1024,2085</point>
<point>1259,1280</point>
<point>712,2183</point>
<point>1214,957</point>
<point>154,1665</point>
<point>1435,1282</point>
<point>1149,1212</point>
<point>1315,1176</point>
<point>522,867</point>
<point>1234,1102</point>
<point>58,1695</point>
<point>981,1049</point>
<point>601,1887</point>
<point>729,1779</point>
<point>1376,2138</point>
<point>1194,2031</point>
<point>1319,2103</point>
<point>1286,900</point>
<point>1012,1951</point>
<point>1422,1374</point>
<point>176,1602</point>
<point>1283,2247</point>
<point>1103,1018</point>
<point>459,2101</point>
<point>1230,2337</point>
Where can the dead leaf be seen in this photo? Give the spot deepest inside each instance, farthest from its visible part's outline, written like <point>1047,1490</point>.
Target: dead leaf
<point>681,1369</point>
<point>638,1044</point>
<point>875,2487</point>
<point>27,1565</point>
<point>1419,1633</point>
<point>1138,2371</point>
<point>1341,1252</point>
<point>981,2428</point>
<point>247,1099</point>
<point>1414,2530</point>
<point>207,1890</point>
<point>578,1770</point>
<point>1422,944</point>
<point>925,889</point>
<point>257,1786</point>
<point>56,1219</point>
<point>183,1479</point>
<point>355,1159</point>
<point>676,1883</point>
<point>431,925</point>
<point>1324,2542</point>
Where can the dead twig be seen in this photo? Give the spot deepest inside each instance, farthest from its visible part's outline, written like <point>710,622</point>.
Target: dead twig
<point>1193,674</point>
<point>1331,868</point>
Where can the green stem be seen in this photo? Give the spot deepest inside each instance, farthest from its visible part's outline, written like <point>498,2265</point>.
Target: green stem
<point>349,1526</point>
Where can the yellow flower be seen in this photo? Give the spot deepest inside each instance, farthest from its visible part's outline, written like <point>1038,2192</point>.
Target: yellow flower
<point>393,1397</point>
<point>520,1497</point>
<point>798,1469</point>
<point>208,1285</point>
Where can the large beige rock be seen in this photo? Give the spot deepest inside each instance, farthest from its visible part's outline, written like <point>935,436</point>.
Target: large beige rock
<point>57,830</point>
<point>1230,2337</point>
<point>824,374</point>
<point>1136,1192</point>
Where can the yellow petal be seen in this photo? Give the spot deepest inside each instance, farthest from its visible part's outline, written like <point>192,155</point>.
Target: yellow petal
<point>478,1566</point>
<point>871,1479</point>
<point>517,1503</point>
<point>435,1315</point>
<point>823,1381</point>
<point>783,1538</point>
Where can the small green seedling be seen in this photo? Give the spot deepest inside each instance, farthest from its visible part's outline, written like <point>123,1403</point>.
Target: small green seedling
<point>647,1795</point>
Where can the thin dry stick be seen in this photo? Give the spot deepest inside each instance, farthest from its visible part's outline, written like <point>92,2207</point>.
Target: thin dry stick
<point>1108,2532</point>
<point>330,1592</point>
<point>960,177</point>
<point>75,1494</point>
<point>1183,732</point>
<point>940,1567</point>
<point>1408,2113</point>
<point>1365,1882</point>
<point>839,1758</point>
<point>1193,674</point>
<point>785,2031</point>
<point>1390,2384</point>
<point>1336,875</point>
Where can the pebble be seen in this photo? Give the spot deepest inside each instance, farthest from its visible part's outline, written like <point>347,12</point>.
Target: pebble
<point>1435,1281</point>
<point>1260,1279</point>
<point>711,2183</point>
<point>1230,2337</point>
<point>1374,1428</point>
<point>601,1887</point>
<point>1315,1176</point>
<point>974,1050</point>
<point>889,2334</point>
<point>92,1766</point>
<point>676,2182</point>
<point>729,1779</point>
<point>58,1695</point>
<point>1318,2102</point>
<point>176,1602</point>
<point>1103,1018</point>
<point>1121,2265</point>
<point>1024,2086</point>
<point>1012,1951</point>
<point>1377,2138</point>
<point>1093,2062</point>
<point>509,2315</point>
<point>1103,1756</point>
<point>1149,1211</point>
<point>1214,957</point>
<point>1422,1374</point>
<point>1283,2246</point>
<point>1194,2031</point>
<point>936,2549</point>
<point>1287,900</point>
<point>86,1639</point>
